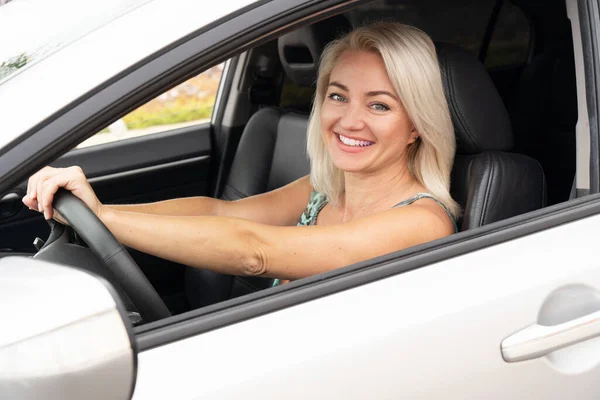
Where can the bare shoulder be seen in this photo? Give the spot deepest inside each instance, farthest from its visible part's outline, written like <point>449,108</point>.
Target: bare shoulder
<point>430,213</point>
<point>417,223</point>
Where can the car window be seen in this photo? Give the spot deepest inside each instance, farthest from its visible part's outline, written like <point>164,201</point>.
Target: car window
<point>187,104</point>
<point>509,44</point>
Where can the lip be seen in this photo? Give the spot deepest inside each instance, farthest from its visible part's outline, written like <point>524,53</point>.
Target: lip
<point>350,149</point>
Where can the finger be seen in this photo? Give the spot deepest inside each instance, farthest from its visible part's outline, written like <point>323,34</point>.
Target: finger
<point>29,203</point>
<point>66,179</point>
<point>44,175</point>
<point>39,191</point>
<point>32,183</point>
<point>46,195</point>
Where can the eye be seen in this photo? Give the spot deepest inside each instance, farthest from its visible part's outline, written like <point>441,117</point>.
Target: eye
<point>336,97</point>
<point>379,107</point>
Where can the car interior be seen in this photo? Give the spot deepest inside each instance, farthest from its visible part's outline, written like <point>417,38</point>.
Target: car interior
<point>509,76</point>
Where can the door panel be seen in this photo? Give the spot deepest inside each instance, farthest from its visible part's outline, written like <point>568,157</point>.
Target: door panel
<point>435,332</point>
<point>150,168</point>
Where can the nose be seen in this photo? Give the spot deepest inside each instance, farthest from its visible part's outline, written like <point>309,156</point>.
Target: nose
<point>352,118</point>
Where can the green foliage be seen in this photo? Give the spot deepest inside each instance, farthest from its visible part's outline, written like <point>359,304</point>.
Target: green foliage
<point>170,114</point>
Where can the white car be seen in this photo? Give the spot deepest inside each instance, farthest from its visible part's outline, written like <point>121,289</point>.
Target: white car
<point>169,98</point>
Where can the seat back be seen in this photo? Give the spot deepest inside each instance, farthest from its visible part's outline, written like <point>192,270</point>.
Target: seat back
<point>271,154</point>
<point>488,182</point>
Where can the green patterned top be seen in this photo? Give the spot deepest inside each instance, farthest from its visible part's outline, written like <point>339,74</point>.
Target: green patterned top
<point>318,200</point>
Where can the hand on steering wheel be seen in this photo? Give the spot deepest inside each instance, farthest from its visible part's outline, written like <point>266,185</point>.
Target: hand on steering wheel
<point>80,207</point>
<point>42,186</point>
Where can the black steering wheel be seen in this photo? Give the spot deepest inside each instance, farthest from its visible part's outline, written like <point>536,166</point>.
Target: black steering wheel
<point>112,254</point>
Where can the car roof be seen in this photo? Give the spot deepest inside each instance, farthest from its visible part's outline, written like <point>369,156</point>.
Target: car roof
<point>46,86</point>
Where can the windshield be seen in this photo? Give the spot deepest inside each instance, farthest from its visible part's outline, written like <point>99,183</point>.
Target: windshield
<point>38,28</point>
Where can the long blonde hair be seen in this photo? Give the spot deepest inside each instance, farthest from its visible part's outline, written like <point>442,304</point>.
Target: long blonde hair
<point>412,67</point>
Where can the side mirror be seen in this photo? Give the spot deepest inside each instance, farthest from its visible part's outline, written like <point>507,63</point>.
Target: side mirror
<point>63,334</point>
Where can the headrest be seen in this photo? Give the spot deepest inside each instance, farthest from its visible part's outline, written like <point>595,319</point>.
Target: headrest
<point>481,122</point>
<point>301,49</point>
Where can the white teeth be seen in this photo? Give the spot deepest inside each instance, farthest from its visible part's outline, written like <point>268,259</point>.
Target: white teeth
<point>353,142</point>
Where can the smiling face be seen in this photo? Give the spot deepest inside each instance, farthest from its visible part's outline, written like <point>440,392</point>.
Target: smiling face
<point>363,122</point>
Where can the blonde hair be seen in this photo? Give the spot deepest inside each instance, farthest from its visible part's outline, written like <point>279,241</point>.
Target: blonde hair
<point>412,67</point>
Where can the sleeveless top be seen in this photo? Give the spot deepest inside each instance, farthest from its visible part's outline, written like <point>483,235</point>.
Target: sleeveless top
<point>318,200</point>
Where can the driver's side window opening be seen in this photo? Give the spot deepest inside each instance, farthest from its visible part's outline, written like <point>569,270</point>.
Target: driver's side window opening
<point>509,42</point>
<point>187,104</point>
<point>277,95</point>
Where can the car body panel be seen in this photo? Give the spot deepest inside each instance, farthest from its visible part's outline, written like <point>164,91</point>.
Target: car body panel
<point>430,333</point>
<point>102,54</point>
<point>79,312</point>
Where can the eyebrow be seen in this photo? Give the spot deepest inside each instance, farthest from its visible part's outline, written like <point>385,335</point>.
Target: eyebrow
<point>337,84</point>
<point>382,92</point>
<point>370,94</point>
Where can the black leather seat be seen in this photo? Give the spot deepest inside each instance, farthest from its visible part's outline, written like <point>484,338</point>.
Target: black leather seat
<point>488,183</point>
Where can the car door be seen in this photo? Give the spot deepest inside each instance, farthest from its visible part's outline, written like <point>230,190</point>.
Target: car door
<point>441,323</point>
<point>510,310</point>
<point>427,322</point>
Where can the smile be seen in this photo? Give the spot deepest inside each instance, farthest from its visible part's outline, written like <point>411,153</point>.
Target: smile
<point>353,142</point>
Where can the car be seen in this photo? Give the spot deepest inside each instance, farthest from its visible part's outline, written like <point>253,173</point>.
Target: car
<point>158,99</point>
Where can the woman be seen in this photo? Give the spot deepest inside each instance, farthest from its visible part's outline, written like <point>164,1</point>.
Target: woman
<point>381,146</point>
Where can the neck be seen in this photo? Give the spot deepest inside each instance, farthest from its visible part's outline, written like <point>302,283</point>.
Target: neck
<point>367,193</point>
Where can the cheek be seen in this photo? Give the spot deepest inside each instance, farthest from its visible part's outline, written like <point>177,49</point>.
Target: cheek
<point>328,117</point>
<point>394,128</point>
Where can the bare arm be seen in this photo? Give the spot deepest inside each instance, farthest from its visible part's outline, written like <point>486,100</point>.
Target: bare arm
<point>184,206</point>
<point>242,247</point>
<point>282,206</point>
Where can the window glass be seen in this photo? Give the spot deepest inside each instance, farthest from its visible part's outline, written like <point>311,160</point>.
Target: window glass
<point>510,41</point>
<point>296,97</point>
<point>190,103</point>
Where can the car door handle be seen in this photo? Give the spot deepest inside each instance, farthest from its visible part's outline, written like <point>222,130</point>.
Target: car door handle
<point>538,340</point>
<point>10,205</point>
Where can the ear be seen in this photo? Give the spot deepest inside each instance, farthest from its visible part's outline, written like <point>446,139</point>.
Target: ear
<point>414,136</point>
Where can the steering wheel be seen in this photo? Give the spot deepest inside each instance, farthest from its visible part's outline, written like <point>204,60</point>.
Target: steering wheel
<point>112,254</point>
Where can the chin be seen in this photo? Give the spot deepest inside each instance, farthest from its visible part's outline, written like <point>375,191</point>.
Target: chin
<point>348,165</point>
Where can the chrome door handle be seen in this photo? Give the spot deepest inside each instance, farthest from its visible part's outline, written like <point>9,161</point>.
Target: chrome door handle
<point>538,340</point>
